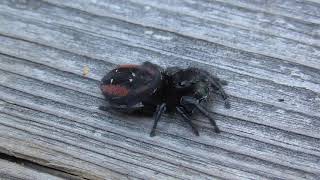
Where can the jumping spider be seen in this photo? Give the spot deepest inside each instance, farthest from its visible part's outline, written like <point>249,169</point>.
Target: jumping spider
<point>149,89</point>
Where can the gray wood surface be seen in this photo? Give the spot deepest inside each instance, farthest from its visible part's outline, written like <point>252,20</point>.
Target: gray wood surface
<point>13,171</point>
<point>190,23</point>
<point>266,50</point>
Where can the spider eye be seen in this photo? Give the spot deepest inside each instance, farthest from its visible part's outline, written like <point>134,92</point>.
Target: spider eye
<point>183,83</point>
<point>186,83</point>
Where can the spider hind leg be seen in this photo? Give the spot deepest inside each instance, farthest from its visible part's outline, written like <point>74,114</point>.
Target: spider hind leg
<point>185,100</point>
<point>186,118</point>
<point>217,84</point>
<point>157,115</point>
<point>103,108</point>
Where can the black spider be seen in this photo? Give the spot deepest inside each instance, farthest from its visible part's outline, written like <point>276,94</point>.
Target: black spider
<point>149,89</point>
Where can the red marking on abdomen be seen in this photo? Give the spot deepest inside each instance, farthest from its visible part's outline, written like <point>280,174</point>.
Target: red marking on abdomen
<point>127,66</point>
<point>115,90</point>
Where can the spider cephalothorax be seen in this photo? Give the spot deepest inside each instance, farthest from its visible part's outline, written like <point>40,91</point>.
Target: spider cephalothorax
<point>149,89</point>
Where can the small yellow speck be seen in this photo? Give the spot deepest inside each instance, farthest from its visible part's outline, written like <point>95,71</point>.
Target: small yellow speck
<point>85,71</point>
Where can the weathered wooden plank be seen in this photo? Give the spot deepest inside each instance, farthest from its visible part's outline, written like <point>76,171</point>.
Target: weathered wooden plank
<point>103,47</point>
<point>304,10</point>
<point>75,82</point>
<point>254,65</point>
<point>125,160</point>
<point>312,100</point>
<point>243,18</point>
<point>46,153</point>
<point>299,119</point>
<point>14,171</point>
<point>90,103</point>
<point>216,32</point>
<point>262,138</point>
<point>129,130</point>
<point>15,143</point>
<point>119,145</point>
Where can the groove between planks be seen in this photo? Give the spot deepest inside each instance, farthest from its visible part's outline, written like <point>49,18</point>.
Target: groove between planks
<point>12,167</point>
<point>51,157</point>
<point>11,170</point>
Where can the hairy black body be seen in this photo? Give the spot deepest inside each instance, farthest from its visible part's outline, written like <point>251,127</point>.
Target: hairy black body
<point>149,89</point>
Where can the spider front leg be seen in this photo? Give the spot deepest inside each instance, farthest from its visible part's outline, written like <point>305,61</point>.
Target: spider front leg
<point>217,84</point>
<point>186,100</point>
<point>103,108</point>
<point>160,110</point>
<point>186,118</point>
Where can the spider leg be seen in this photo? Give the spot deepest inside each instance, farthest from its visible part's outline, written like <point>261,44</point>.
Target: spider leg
<point>193,101</point>
<point>103,108</point>
<point>160,110</point>
<point>186,118</point>
<point>222,82</point>
<point>122,108</point>
<point>217,84</point>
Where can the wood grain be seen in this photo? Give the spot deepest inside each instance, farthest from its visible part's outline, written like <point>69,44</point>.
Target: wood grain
<point>212,31</point>
<point>49,109</point>
<point>302,10</point>
<point>11,170</point>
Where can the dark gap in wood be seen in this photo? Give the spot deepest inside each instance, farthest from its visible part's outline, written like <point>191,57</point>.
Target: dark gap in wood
<point>38,167</point>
